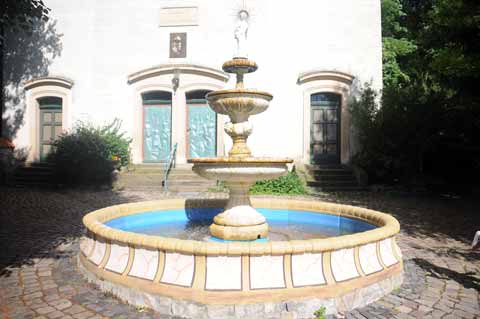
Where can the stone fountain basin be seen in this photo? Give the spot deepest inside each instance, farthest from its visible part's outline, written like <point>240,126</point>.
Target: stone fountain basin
<point>199,279</point>
<point>237,102</point>
<point>248,170</point>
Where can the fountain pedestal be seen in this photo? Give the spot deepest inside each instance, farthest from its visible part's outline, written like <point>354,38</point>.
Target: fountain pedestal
<point>239,221</point>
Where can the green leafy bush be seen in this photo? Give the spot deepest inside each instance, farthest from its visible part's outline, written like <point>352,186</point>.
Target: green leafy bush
<point>289,184</point>
<point>117,144</point>
<point>88,154</point>
<point>320,313</point>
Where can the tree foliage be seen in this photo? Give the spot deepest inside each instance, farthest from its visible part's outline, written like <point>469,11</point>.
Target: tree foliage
<point>21,14</point>
<point>395,43</point>
<point>429,117</point>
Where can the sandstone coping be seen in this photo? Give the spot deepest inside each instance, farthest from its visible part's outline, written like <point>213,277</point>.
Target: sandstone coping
<point>232,66</point>
<point>387,227</point>
<point>240,92</point>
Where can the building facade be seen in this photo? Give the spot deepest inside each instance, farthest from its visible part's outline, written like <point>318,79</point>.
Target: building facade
<point>150,63</point>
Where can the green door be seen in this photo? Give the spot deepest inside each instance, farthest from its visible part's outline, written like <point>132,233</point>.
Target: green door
<point>325,128</point>
<point>50,124</point>
<point>202,130</point>
<point>157,126</point>
<point>157,133</point>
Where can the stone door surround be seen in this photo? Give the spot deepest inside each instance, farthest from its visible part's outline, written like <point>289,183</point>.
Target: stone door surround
<point>177,79</point>
<point>319,81</point>
<point>48,86</point>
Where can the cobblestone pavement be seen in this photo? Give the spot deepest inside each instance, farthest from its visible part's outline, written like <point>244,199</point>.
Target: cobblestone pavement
<point>39,233</point>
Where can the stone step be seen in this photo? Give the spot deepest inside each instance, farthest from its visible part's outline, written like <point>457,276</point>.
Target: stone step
<point>33,175</point>
<point>327,189</point>
<point>173,189</point>
<point>32,179</point>
<point>191,182</point>
<point>332,183</point>
<point>171,176</point>
<point>159,178</point>
<point>40,164</point>
<point>324,172</point>
<point>32,184</point>
<point>173,172</point>
<point>35,169</point>
<point>331,177</point>
<point>23,171</point>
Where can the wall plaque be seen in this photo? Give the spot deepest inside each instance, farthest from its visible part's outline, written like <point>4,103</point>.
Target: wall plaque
<point>178,16</point>
<point>178,45</point>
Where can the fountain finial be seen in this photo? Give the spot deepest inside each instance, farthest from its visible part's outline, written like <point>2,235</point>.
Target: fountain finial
<point>239,221</point>
<point>241,31</point>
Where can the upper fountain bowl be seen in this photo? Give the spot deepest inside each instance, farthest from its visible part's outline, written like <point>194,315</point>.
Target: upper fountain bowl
<point>240,65</point>
<point>239,104</point>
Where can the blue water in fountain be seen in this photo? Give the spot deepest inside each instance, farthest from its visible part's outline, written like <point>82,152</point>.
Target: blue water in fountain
<point>192,223</point>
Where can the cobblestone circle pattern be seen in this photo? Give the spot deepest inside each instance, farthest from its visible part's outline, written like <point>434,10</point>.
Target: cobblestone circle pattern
<point>39,232</point>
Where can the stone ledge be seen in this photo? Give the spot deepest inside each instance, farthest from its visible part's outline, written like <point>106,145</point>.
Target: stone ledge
<point>388,227</point>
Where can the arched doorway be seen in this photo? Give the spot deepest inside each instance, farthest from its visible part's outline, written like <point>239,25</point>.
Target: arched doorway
<point>157,126</point>
<point>50,123</point>
<point>325,112</point>
<point>201,126</point>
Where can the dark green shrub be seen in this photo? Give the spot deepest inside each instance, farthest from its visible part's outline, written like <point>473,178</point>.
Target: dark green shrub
<point>86,156</point>
<point>415,136</point>
<point>289,184</point>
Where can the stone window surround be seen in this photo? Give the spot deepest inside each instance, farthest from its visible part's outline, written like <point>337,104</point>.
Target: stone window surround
<point>159,78</point>
<point>313,82</point>
<point>37,88</point>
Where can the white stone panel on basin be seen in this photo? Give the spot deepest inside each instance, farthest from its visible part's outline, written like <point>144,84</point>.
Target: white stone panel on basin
<point>224,273</point>
<point>179,269</point>
<point>368,258</point>
<point>266,272</point>
<point>397,249</point>
<point>307,270</point>
<point>386,251</point>
<point>98,252</point>
<point>86,245</point>
<point>343,264</point>
<point>118,259</point>
<point>145,263</point>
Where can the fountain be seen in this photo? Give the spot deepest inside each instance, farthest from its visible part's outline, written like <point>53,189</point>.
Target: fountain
<point>204,258</point>
<point>239,221</point>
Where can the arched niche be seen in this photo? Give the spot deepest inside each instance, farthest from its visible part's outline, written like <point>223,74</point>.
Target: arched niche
<point>48,100</point>
<point>333,83</point>
<point>178,79</point>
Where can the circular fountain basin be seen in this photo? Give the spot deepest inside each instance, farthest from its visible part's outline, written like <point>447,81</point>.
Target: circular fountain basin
<point>347,257</point>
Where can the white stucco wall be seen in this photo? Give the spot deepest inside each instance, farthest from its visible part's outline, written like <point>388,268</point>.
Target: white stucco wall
<point>105,41</point>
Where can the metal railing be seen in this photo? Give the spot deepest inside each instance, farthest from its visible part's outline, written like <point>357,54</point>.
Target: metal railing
<point>168,166</point>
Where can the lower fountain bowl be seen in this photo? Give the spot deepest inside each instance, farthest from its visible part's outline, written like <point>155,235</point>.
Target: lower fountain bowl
<point>207,279</point>
<point>246,170</point>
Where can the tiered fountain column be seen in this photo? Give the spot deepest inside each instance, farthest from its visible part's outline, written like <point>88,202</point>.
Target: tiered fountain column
<point>239,171</point>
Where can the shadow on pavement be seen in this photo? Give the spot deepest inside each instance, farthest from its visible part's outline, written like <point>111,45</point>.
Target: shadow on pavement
<point>467,280</point>
<point>33,224</point>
